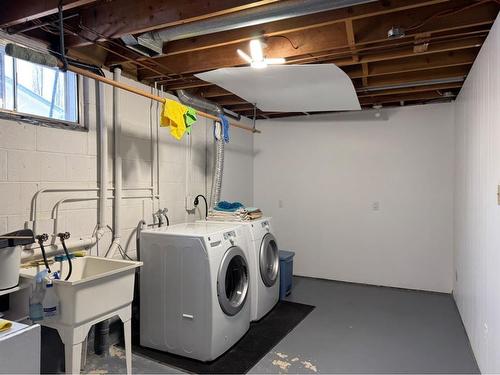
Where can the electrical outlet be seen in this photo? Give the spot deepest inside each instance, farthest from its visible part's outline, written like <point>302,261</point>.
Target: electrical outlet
<point>498,195</point>
<point>376,206</point>
<point>485,330</point>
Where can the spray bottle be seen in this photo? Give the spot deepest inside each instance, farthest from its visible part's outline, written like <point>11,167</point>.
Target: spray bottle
<point>50,301</point>
<point>36,308</point>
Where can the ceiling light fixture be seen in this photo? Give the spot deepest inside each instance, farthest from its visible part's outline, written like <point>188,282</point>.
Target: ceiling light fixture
<point>257,59</point>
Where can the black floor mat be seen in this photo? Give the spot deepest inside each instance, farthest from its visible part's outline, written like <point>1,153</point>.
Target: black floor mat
<point>257,342</point>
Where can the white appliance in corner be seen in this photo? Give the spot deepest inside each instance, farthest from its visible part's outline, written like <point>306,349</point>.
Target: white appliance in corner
<point>20,349</point>
<point>263,257</point>
<point>194,289</point>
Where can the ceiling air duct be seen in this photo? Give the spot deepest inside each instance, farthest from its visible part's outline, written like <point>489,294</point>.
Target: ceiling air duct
<point>151,43</point>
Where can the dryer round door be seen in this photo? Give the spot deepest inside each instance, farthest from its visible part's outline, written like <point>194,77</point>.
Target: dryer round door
<point>232,281</point>
<point>269,260</point>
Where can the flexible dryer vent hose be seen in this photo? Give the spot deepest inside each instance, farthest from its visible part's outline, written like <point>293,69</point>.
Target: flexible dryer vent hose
<point>216,110</point>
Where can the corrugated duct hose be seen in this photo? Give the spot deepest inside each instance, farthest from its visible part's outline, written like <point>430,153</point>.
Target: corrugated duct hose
<point>216,110</point>
<point>218,166</point>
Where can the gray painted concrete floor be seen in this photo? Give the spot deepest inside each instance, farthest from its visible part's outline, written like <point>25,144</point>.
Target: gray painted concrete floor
<point>354,329</point>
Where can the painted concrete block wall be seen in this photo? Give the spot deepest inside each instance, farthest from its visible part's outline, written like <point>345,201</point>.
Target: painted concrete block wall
<point>477,212</point>
<point>360,198</point>
<point>35,157</point>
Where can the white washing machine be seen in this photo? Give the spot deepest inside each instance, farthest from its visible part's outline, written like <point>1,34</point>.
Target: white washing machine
<point>194,289</point>
<point>263,257</point>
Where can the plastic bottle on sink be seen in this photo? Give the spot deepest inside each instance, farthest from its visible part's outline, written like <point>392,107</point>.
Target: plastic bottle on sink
<point>50,302</point>
<point>36,308</point>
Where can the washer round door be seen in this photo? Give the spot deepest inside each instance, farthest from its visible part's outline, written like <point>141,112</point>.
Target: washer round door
<point>232,281</point>
<point>269,260</point>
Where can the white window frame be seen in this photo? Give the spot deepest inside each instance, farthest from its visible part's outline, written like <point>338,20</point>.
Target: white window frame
<point>79,124</point>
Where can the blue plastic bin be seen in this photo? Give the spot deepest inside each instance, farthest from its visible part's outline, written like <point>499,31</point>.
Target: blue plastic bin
<point>286,272</point>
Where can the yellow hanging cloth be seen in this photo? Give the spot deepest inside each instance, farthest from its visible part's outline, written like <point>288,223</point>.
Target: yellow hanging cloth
<point>173,117</point>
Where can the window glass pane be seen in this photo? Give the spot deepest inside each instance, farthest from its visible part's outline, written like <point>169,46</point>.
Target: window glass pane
<point>6,82</point>
<point>38,90</point>
<point>43,91</point>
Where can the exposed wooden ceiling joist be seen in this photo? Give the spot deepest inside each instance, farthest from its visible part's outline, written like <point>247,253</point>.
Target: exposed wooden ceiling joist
<point>232,37</point>
<point>18,12</point>
<point>442,40</point>
<point>304,38</point>
<point>119,17</point>
<point>213,60</point>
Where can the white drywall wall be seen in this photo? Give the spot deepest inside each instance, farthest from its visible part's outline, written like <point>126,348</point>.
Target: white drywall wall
<point>34,157</point>
<point>477,212</point>
<point>360,198</point>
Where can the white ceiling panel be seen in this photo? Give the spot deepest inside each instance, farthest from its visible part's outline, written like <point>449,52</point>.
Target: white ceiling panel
<point>289,88</point>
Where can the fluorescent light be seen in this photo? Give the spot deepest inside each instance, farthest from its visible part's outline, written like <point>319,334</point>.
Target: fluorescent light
<point>276,60</point>
<point>258,64</point>
<point>257,59</point>
<point>244,56</point>
<point>256,50</point>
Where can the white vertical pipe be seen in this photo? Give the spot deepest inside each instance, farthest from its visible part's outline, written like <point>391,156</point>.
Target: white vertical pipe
<point>103,155</point>
<point>117,127</point>
<point>154,149</point>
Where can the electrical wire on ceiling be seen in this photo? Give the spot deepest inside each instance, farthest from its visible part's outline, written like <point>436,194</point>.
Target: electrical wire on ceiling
<point>50,28</point>
<point>294,46</point>
<point>112,42</point>
<point>448,12</point>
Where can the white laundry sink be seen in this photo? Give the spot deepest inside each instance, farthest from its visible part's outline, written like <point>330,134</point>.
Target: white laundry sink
<point>96,287</point>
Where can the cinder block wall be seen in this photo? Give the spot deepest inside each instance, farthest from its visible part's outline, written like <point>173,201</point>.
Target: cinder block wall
<point>35,157</point>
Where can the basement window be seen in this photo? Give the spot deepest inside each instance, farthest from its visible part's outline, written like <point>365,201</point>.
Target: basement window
<point>36,93</point>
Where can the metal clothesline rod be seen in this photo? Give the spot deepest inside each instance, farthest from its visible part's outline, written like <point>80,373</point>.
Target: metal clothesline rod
<point>31,55</point>
<point>146,94</point>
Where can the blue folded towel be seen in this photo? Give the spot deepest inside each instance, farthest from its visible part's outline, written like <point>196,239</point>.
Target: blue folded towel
<point>228,206</point>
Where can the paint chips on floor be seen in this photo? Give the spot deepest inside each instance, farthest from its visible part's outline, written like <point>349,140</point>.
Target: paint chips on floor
<point>293,365</point>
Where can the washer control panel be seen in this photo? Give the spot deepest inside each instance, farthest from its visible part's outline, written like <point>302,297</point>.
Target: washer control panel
<point>265,225</point>
<point>229,235</point>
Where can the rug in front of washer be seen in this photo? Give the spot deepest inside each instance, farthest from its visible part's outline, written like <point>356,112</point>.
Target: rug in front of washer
<point>253,346</point>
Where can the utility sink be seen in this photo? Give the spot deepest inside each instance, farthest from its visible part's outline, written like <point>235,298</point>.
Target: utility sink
<point>97,286</point>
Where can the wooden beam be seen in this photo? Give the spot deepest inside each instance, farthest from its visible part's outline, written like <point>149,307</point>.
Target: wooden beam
<point>277,28</point>
<point>294,24</point>
<point>428,95</point>
<point>187,85</point>
<point>428,18</point>
<point>481,15</point>
<point>213,59</point>
<point>408,78</point>
<point>366,73</point>
<point>410,90</point>
<point>120,17</point>
<point>230,101</point>
<point>417,63</point>
<point>17,12</point>
<point>351,39</point>
<point>213,92</point>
